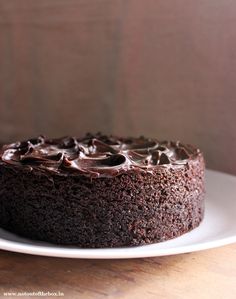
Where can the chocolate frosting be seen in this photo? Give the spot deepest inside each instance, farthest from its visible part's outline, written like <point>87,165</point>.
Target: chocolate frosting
<point>97,155</point>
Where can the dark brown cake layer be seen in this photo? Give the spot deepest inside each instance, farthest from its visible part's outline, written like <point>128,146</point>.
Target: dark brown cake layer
<point>74,194</point>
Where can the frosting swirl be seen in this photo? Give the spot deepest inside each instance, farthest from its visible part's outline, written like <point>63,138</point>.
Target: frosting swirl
<point>96,155</point>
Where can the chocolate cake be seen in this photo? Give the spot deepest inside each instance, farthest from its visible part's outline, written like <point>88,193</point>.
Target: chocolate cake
<point>101,191</point>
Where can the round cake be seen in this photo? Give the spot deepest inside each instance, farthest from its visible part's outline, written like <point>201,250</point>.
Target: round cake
<point>101,191</point>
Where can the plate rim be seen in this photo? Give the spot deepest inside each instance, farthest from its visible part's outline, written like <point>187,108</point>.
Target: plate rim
<point>109,253</point>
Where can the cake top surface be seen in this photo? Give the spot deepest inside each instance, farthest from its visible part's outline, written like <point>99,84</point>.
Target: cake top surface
<point>96,155</point>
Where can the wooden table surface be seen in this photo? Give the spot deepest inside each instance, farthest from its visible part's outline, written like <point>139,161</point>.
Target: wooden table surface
<point>206,274</point>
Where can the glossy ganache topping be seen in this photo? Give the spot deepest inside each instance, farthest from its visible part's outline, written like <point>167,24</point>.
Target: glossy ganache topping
<point>96,155</point>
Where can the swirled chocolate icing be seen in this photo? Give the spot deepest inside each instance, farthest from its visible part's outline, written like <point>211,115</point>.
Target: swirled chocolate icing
<point>96,155</point>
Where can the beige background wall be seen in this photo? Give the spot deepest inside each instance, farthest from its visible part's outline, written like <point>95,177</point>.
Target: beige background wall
<point>160,68</point>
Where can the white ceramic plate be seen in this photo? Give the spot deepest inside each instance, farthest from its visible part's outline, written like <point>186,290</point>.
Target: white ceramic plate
<point>218,228</point>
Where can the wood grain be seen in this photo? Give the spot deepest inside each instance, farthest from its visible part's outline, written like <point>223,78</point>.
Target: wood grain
<point>206,275</point>
<point>158,68</point>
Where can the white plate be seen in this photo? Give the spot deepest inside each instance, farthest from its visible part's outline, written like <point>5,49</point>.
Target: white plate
<point>218,228</point>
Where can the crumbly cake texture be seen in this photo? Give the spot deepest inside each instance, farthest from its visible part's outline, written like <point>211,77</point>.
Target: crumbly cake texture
<point>101,191</point>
